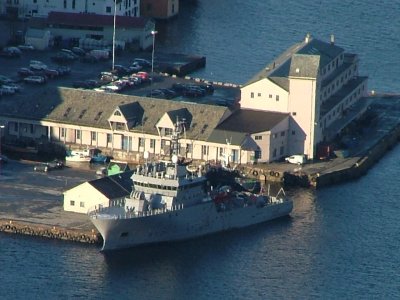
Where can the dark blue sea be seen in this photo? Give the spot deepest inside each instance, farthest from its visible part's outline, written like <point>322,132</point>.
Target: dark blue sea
<point>341,242</point>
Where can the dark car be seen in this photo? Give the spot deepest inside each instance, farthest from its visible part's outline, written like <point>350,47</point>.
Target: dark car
<point>24,72</point>
<point>3,159</point>
<point>47,166</point>
<point>78,51</point>
<point>120,70</point>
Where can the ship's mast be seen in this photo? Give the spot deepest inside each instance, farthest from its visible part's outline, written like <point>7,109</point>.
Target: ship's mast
<point>179,127</point>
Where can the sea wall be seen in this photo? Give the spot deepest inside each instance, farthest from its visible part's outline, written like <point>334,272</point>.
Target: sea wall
<point>40,230</point>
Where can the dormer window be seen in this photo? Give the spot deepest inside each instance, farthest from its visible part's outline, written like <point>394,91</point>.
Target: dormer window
<point>117,113</point>
<point>168,131</point>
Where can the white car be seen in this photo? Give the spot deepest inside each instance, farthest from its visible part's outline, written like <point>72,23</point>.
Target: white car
<point>35,79</point>
<point>26,47</point>
<point>37,65</point>
<point>296,159</point>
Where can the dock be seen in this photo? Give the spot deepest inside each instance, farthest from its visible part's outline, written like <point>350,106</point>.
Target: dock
<point>379,135</point>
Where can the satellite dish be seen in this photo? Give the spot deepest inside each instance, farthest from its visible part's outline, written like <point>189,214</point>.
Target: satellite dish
<point>174,159</point>
<point>146,154</point>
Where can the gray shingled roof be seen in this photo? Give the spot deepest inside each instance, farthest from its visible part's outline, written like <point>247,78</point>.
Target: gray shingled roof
<point>243,122</point>
<point>278,70</point>
<point>91,108</point>
<point>306,66</point>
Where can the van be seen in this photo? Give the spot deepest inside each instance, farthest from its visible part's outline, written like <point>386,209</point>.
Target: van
<point>296,159</point>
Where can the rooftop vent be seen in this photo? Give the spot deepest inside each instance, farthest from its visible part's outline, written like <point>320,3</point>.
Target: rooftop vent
<point>332,39</point>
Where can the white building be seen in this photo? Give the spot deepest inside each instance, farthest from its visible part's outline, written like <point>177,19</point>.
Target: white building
<point>101,192</point>
<point>126,126</point>
<point>317,83</point>
<point>41,8</point>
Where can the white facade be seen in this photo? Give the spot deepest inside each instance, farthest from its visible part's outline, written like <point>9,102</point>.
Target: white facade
<point>41,8</point>
<point>316,84</point>
<point>84,197</point>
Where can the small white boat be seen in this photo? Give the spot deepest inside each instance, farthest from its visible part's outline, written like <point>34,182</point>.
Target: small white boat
<point>78,156</point>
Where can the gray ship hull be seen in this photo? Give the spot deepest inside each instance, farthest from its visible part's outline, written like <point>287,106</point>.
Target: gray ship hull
<point>120,232</point>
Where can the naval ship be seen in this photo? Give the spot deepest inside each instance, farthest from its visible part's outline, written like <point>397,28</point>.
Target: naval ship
<point>172,201</point>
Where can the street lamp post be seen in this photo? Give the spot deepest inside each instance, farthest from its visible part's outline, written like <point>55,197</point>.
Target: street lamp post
<point>1,137</point>
<point>113,41</point>
<point>153,33</point>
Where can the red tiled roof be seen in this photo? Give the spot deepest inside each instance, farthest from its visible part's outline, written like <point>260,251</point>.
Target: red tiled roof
<point>85,19</point>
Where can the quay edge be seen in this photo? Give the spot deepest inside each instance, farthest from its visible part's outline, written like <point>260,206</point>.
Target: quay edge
<point>50,232</point>
<point>351,169</point>
<point>363,164</point>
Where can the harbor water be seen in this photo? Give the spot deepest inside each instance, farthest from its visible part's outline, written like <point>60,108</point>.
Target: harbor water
<point>340,242</point>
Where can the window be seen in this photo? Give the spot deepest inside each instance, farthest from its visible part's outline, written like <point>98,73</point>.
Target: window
<point>293,132</point>
<point>65,3</point>
<point>94,135</point>
<point>274,153</point>
<point>274,136</point>
<point>258,137</point>
<point>78,134</point>
<point>259,94</point>
<point>72,203</point>
<point>189,148</point>
<point>277,97</point>
<point>257,154</point>
<point>168,131</point>
<point>109,138</point>
<point>108,9</point>
<point>251,95</point>
<point>152,143</point>
<point>163,143</point>
<point>82,204</point>
<point>270,95</point>
<point>117,113</point>
<point>73,4</point>
<point>141,142</point>
<point>204,150</point>
<point>282,133</point>
<point>62,132</point>
<point>294,113</point>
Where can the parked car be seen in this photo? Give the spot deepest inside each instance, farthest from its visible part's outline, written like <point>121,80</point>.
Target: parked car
<point>37,65</point>
<point>88,58</point>
<point>120,70</point>
<point>6,90</point>
<point>62,57</point>
<point>47,166</point>
<point>35,79</point>
<point>78,51</point>
<point>24,72</point>
<point>11,52</point>
<point>296,159</point>
<point>135,67</point>
<point>3,159</point>
<point>5,80</point>
<point>51,73</point>
<point>26,47</point>
<point>63,70</point>
<point>69,52</point>
<point>144,63</point>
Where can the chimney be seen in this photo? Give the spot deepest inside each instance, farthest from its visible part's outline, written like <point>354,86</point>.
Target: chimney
<point>332,39</point>
<point>307,39</point>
